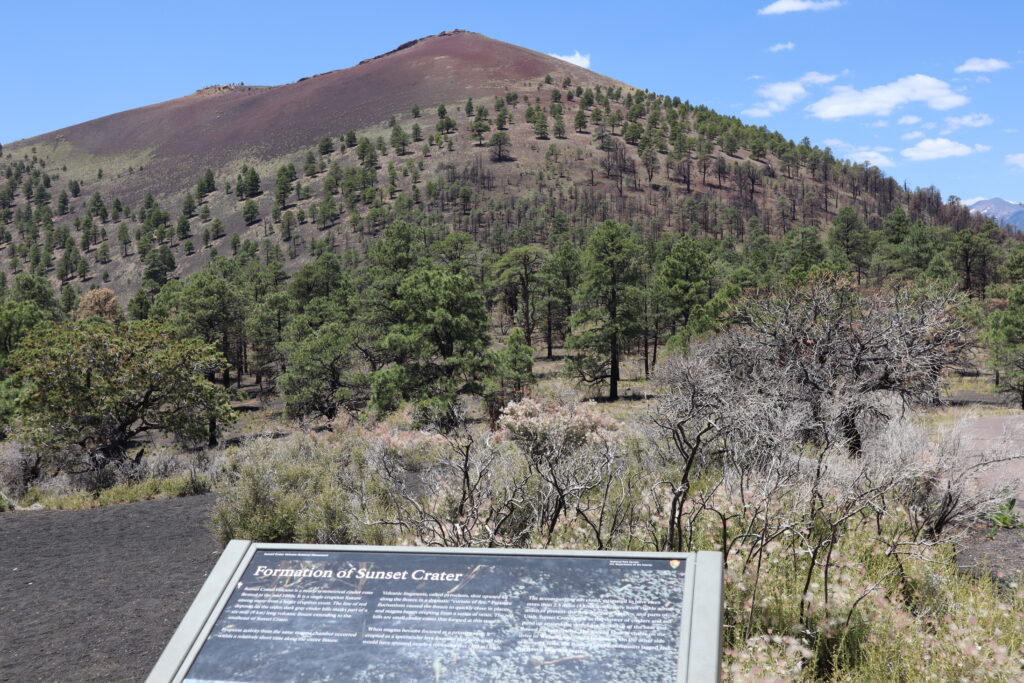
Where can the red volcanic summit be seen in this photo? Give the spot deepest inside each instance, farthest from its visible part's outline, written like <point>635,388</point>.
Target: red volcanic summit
<point>219,123</point>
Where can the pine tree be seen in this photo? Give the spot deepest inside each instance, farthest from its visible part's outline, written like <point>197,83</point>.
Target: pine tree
<point>607,315</point>
<point>309,167</point>
<point>580,122</point>
<point>399,140</point>
<point>1004,339</point>
<point>328,212</point>
<point>123,238</point>
<point>183,229</point>
<point>250,212</point>
<point>540,125</point>
<point>248,183</point>
<point>850,241</point>
<point>205,185</point>
<point>188,206</point>
<point>519,269</point>
<point>499,144</point>
<point>559,129</point>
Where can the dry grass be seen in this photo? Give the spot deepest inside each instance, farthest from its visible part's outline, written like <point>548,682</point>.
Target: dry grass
<point>982,384</point>
<point>175,486</point>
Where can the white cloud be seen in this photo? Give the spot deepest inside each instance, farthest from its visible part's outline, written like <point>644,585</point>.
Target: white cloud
<point>815,78</point>
<point>968,121</point>
<point>880,100</point>
<point>1015,160</point>
<point>779,96</point>
<point>780,47</point>
<point>880,123</point>
<point>915,135</point>
<point>876,156</point>
<point>909,120</point>
<point>940,148</point>
<point>870,156</point>
<point>784,6</point>
<point>975,64</point>
<point>575,58</point>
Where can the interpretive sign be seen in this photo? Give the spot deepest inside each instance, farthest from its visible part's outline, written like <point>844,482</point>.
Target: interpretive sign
<point>271,613</point>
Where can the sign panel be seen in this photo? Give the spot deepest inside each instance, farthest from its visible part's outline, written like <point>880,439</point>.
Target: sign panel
<point>337,613</point>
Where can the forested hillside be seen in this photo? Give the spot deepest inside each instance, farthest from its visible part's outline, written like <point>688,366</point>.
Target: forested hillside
<point>504,211</point>
<point>546,149</point>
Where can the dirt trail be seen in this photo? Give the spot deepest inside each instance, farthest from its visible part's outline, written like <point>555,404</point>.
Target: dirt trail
<point>94,595</point>
<point>992,433</point>
<point>998,552</point>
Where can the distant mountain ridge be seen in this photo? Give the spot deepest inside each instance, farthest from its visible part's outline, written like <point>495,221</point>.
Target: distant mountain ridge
<point>1001,211</point>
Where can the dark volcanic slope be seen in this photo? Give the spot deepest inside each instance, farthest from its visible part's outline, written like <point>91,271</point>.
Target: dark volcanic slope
<point>94,595</point>
<point>218,124</point>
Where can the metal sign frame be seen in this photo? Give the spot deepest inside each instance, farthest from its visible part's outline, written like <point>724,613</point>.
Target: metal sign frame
<point>700,637</point>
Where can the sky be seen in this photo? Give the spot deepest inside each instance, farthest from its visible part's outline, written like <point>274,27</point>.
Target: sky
<point>931,92</point>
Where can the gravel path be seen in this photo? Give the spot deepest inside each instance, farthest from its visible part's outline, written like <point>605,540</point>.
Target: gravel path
<point>94,595</point>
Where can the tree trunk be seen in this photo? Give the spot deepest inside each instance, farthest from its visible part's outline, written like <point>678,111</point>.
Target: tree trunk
<point>227,364</point>
<point>613,388</point>
<point>549,334</point>
<point>852,435</point>
<point>212,434</point>
<point>654,352</point>
<point>647,350</point>
<point>613,319</point>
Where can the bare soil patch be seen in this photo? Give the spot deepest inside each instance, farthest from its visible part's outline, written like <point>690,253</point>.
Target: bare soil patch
<point>94,595</point>
<point>992,432</point>
<point>996,552</point>
<point>983,549</point>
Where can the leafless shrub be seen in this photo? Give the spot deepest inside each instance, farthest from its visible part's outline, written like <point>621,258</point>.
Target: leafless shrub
<point>553,473</point>
<point>163,464</point>
<point>790,430</point>
<point>854,353</point>
<point>570,449</point>
<point>450,490</point>
<point>939,480</point>
<point>17,470</point>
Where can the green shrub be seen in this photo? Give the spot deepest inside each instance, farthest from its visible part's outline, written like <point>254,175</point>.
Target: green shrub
<point>284,493</point>
<point>1005,517</point>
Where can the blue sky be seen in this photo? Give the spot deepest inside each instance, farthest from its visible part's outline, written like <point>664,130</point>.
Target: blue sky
<point>929,91</point>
